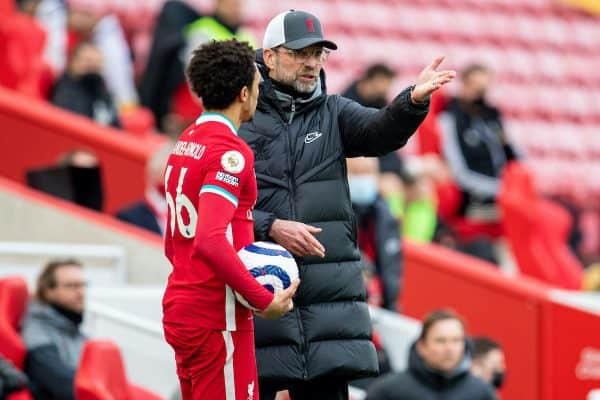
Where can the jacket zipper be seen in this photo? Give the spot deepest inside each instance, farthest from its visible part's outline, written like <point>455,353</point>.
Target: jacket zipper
<point>293,209</point>
<point>290,155</point>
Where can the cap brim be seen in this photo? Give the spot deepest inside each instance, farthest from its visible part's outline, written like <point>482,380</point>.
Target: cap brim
<point>305,42</point>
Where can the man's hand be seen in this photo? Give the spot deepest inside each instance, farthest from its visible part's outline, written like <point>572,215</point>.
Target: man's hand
<point>430,80</point>
<point>282,303</point>
<point>297,238</point>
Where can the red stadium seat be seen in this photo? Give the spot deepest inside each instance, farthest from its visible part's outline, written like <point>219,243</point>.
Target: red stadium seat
<point>13,300</point>
<point>22,67</point>
<point>537,231</point>
<point>101,375</point>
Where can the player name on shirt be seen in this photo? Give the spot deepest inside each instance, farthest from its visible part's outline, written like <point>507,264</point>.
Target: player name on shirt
<point>189,149</point>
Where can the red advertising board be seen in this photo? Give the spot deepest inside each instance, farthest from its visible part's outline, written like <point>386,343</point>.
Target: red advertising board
<point>552,350</point>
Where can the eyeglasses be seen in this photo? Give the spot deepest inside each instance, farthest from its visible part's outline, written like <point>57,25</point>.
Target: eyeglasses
<point>301,56</point>
<point>73,285</point>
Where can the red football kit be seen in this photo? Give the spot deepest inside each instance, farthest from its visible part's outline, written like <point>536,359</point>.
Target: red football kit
<point>211,191</point>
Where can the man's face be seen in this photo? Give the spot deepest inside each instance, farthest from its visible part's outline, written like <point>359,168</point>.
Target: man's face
<point>88,59</point>
<point>444,346</point>
<point>492,362</point>
<point>69,291</point>
<point>230,11</point>
<point>379,87</point>
<point>476,85</point>
<point>299,69</point>
<point>249,107</point>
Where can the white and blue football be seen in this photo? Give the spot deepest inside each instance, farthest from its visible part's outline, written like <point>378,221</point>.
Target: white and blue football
<point>270,264</point>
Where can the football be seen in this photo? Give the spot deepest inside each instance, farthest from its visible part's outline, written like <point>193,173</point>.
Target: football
<point>270,264</point>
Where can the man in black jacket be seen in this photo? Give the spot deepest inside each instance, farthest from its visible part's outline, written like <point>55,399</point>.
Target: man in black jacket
<point>82,88</point>
<point>476,148</point>
<point>438,366</point>
<point>301,137</point>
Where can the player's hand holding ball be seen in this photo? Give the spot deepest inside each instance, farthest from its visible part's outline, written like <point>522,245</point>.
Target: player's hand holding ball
<point>276,270</point>
<point>282,302</point>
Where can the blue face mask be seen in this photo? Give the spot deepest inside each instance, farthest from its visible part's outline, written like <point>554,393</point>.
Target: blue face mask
<point>363,189</point>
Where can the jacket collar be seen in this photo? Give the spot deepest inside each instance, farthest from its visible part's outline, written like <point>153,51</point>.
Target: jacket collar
<point>208,116</point>
<point>434,378</point>
<point>46,313</point>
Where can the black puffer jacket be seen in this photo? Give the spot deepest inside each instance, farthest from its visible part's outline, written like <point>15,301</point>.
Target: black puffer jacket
<point>421,382</point>
<point>300,146</point>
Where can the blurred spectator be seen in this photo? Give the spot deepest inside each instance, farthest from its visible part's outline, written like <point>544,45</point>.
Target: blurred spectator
<point>11,379</point>
<point>407,184</point>
<point>82,89</point>
<point>179,30</point>
<point>51,330</point>
<point>65,26</point>
<point>77,178</point>
<point>488,361</point>
<point>151,213</point>
<point>476,149</point>
<point>378,230</point>
<point>372,88</point>
<point>438,366</point>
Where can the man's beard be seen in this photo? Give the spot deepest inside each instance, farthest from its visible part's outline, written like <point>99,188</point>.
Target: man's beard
<point>293,81</point>
<point>303,87</point>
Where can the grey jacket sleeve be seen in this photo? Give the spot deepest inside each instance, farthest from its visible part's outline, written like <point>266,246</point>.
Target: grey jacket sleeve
<point>371,132</point>
<point>262,224</point>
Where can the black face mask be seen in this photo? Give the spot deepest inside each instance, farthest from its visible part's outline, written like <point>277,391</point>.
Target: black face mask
<point>92,80</point>
<point>498,379</point>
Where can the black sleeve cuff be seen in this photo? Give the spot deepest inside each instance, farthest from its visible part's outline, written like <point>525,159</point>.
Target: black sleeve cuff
<point>413,105</point>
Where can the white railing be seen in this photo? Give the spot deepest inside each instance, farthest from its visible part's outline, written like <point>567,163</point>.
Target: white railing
<point>131,318</point>
<point>104,264</point>
<point>587,301</point>
<point>397,333</point>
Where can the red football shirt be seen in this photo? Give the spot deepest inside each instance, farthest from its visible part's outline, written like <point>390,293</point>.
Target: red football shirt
<point>211,191</point>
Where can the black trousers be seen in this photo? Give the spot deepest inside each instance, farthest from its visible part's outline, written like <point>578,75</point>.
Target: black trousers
<point>322,389</point>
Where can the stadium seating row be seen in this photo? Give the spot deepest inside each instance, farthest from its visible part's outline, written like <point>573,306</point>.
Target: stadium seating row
<point>101,373</point>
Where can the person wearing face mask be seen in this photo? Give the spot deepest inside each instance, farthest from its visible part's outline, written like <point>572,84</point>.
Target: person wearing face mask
<point>301,137</point>
<point>151,212</point>
<point>438,366</point>
<point>378,230</point>
<point>51,330</point>
<point>82,89</point>
<point>488,361</point>
<point>477,149</point>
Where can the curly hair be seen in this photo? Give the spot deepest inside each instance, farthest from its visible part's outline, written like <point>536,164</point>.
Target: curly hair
<point>219,70</point>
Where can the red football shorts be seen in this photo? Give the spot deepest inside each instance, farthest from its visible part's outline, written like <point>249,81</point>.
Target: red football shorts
<point>218,365</point>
